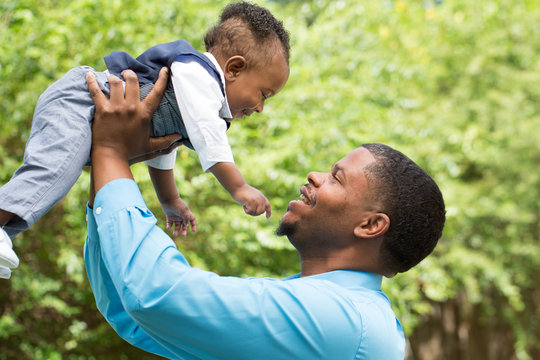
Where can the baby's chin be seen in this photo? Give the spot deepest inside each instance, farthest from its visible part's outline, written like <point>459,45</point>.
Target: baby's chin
<point>240,114</point>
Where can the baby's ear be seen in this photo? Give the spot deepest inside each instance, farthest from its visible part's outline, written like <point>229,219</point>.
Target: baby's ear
<point>234,66</point>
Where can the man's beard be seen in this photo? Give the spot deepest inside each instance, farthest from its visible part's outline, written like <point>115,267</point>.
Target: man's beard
<point>286,229</point>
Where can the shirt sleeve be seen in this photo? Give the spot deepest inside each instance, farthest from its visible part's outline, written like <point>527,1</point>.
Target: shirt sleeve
<point>200,101</point>
<point>154,298</point>
<point>163,162</point>
<point>107,299</point>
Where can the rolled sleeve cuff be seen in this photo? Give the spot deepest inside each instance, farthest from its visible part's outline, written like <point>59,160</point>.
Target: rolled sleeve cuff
<point>91,230</point>
<point>115,196</point>
<point>216,155</point>
<point>163,162</point>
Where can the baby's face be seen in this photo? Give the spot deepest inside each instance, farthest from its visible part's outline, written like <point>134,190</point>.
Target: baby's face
<point>248,92</point>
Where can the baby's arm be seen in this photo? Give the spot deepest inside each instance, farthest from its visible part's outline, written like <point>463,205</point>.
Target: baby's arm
<point>253,201</point>
<point>178,214</point>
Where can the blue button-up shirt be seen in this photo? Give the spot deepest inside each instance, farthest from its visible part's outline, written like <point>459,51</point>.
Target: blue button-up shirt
<point>155,300</point>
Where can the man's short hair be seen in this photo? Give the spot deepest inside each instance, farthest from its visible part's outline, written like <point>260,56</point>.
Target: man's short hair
<point>247,30</point>
<point>412,201</point>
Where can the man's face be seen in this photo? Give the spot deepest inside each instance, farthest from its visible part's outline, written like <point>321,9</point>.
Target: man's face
<point>331,204</point>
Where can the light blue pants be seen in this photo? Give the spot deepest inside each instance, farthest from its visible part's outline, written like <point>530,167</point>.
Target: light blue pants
<point>56,152</point>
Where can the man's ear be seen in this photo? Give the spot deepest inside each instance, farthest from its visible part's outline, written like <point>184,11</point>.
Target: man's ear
<point>373,225</point>
<point>234,66</point>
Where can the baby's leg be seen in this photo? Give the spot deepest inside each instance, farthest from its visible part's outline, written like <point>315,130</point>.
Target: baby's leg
<point>58,148</point>
<point>5,217</point>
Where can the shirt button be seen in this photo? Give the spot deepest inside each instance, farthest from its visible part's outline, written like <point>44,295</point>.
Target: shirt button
<point>98,210</point>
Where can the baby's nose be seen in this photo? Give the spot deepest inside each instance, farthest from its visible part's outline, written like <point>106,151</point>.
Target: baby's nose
<point>259,108</point>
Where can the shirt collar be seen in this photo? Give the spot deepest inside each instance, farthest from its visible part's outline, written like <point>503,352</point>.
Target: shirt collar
<point>348,278</point>
<point>225,112</point>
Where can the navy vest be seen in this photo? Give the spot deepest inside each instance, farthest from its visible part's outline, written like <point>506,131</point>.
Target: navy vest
<point>167,118</point>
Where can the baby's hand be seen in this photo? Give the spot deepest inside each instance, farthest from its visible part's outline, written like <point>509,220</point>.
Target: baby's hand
<point>253,201</point>
<point>179,217</point>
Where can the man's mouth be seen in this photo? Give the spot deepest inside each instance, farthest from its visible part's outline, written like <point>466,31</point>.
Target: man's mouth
<point>304,196</point>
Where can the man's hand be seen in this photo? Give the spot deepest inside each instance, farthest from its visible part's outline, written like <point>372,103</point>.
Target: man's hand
<point>121,128</point>
<point>122,123</point>
<point>157,143</point>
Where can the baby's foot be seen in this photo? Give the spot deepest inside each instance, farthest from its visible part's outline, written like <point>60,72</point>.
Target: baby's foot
<point>8,258</point>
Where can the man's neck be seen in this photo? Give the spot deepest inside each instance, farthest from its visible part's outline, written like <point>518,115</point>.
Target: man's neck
<point>340,260</point>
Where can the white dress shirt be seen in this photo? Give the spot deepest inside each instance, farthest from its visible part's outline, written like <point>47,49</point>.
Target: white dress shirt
<point>203,108</point>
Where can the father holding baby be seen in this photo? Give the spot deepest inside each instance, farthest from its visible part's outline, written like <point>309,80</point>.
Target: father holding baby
<point>374,214</point>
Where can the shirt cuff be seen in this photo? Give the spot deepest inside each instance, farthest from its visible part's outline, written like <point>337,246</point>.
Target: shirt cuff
<point>91,226</point>
<point>163,162</point>
<point>116,195</point>
<point>215,155</point>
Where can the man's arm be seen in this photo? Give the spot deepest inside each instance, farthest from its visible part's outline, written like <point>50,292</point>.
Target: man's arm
<point>107,298</point>
<point>123,133</point>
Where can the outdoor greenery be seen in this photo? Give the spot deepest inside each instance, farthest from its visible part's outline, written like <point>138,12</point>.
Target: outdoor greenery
<point>455,85</point>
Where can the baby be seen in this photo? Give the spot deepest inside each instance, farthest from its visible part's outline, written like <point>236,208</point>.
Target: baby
<point>247,61</point>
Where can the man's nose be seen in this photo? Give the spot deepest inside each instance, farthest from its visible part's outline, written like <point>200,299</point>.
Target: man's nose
<point>315,178</point>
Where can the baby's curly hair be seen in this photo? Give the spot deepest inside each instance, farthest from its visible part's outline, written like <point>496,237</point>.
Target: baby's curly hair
<point>250,31</point>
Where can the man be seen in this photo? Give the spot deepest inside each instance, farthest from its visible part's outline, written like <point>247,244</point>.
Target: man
<point>375,213</point>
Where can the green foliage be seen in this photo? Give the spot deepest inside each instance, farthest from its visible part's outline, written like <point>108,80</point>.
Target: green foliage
<point>454,86</point>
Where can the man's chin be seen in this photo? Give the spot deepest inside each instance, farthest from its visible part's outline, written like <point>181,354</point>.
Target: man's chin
<point>285,229</point>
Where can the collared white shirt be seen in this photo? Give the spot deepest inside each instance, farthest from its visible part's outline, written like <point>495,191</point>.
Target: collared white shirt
<point>203,108</point>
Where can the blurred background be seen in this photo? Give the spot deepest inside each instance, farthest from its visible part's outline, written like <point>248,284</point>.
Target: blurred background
<point>455,85</point>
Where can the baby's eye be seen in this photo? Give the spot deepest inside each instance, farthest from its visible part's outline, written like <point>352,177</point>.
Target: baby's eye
<point>264,95</point>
